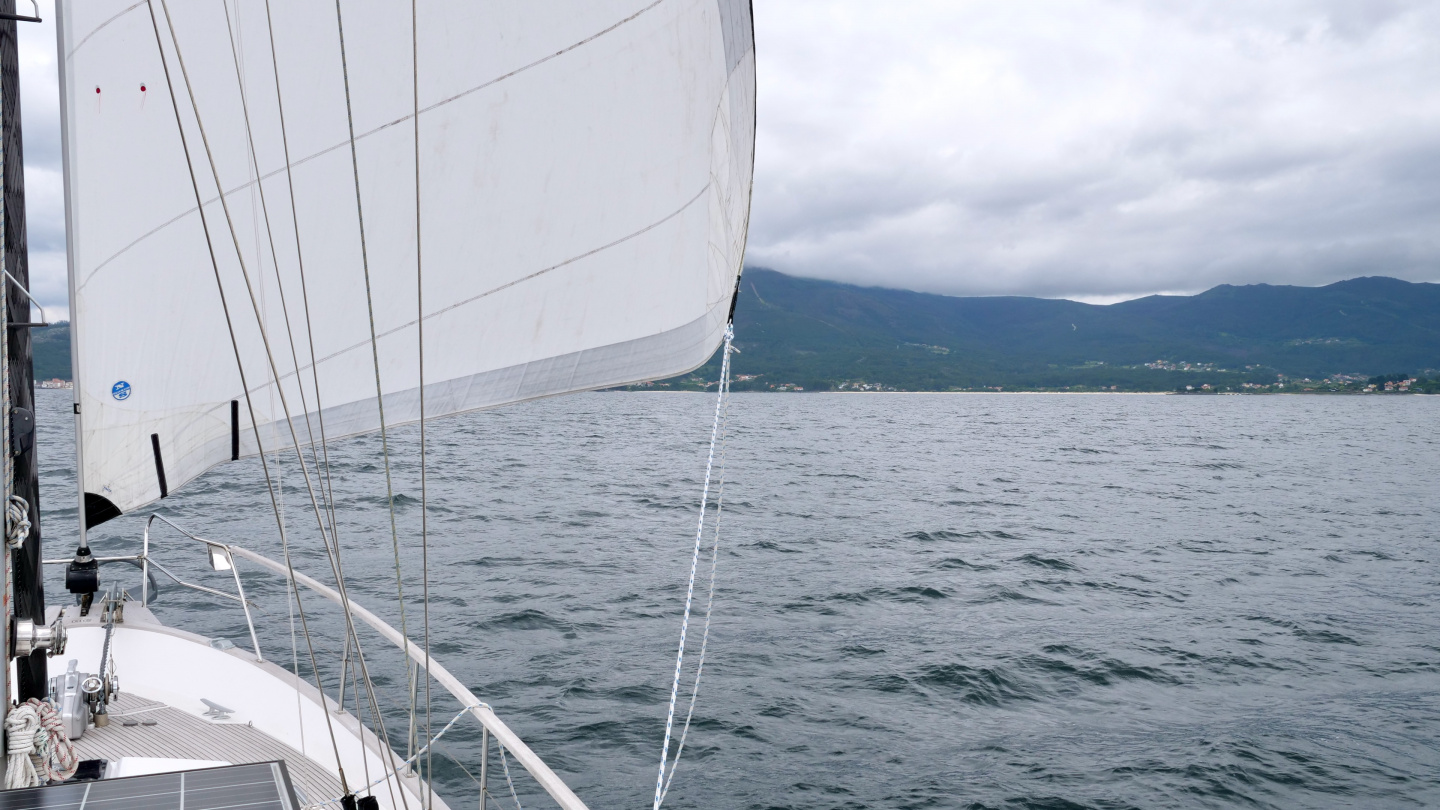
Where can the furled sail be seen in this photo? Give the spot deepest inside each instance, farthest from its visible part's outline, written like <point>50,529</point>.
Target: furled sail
<point>583,181</point>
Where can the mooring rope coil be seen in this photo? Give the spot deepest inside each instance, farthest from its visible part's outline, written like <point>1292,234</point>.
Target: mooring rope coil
<point>17,519</point>
<point>37,747</point>
<point>716,440</point>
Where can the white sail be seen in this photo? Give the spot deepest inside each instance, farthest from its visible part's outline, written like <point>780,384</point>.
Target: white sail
<point>584,189</point>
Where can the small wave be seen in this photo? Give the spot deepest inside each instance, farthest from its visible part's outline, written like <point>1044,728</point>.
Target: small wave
<point>1000,593</point>
<point>528,619</point>
<point>909,594</point>
<point>955,563</point>
<point>925,592</point>
<point>1378,555</point>
<point>772,546</point>
<point>654,504</point>
<point>1101,672</point>
<point>1324,636</point>
<point>986,686</point>
<point>937,536</point>
<point>1045,562</point>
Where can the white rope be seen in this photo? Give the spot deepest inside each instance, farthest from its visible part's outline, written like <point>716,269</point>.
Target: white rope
<point>505,764</point>
<point>661,783</point>
<point>17,515</point>
<point>37,747</point>
<point>710,601</point>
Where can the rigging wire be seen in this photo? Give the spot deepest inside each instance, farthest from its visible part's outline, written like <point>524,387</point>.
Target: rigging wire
<point>374,343</point>
<point>270,357</point>
<point>323,463</point>
<point>230,326</point>
<point>259,186</point>
<point>413,758</point>
<point>231,29</point>
<point>716,438</point>
<point>326,487</point>
<point>429,798</point>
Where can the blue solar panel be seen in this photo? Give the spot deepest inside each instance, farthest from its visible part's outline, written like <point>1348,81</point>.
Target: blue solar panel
<point>261,786</point>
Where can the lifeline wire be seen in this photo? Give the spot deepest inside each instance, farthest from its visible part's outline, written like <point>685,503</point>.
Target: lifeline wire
<point>715,434</point>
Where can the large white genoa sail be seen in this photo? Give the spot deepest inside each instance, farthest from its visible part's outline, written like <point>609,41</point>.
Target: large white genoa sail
<point>584,183</point>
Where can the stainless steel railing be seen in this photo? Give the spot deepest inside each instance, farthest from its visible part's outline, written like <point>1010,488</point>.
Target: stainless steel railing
<point>222,557</point>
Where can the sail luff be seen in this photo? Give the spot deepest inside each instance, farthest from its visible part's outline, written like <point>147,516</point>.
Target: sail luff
<point>76,361</point>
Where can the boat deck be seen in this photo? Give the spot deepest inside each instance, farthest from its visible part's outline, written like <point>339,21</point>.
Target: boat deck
<point>180,735</point>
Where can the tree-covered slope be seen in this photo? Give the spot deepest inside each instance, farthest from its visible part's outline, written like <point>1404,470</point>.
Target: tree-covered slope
<point>818,334</point>
<point>50,350</point>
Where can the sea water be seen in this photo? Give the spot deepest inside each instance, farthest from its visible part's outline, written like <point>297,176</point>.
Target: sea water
<point>921,600</point>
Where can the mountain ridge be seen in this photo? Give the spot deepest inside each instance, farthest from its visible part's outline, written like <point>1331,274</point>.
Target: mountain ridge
<point>819,335</point>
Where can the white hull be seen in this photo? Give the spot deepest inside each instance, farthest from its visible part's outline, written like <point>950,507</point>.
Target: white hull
<point>276,715</point>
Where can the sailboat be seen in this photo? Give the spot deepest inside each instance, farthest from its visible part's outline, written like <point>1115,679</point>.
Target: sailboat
<point>292,223</point>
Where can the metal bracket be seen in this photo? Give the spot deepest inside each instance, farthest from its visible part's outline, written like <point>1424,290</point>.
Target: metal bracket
<point>22,17</point>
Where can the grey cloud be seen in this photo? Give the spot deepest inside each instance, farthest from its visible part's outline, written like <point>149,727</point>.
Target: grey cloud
<point>44,192</point>
<point>1088,148</point>
<point>1083,148</point>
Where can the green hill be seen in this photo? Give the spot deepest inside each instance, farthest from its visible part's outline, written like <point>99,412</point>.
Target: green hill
<point>820,335</point>
<point>50,350</point>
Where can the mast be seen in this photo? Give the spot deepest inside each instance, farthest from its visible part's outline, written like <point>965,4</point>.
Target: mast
<point>29,581</point>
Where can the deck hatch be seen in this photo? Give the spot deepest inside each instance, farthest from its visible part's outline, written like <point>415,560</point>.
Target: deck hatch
<point>261,786</point>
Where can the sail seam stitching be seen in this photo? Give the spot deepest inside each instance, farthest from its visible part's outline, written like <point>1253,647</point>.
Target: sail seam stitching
<point>393,330</point>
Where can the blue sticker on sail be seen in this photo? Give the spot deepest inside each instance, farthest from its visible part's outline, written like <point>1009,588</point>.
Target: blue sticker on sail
<point>120,390</point>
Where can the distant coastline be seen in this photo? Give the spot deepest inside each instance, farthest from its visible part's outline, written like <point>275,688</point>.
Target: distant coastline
<point>1384,394</point>
<point>1366,335</point>
<point>799,333</point>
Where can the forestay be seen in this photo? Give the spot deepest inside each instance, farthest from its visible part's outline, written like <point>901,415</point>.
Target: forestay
<point>584,183</point>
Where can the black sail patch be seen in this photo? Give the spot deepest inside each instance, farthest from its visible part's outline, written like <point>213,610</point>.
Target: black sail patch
<point>98,509</point>
<point>159,464</point>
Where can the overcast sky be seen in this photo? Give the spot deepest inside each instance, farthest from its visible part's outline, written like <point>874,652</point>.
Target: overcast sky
<point>1090,149</point>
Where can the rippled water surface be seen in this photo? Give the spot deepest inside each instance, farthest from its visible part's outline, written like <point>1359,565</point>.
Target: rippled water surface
<point>924,600</point>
